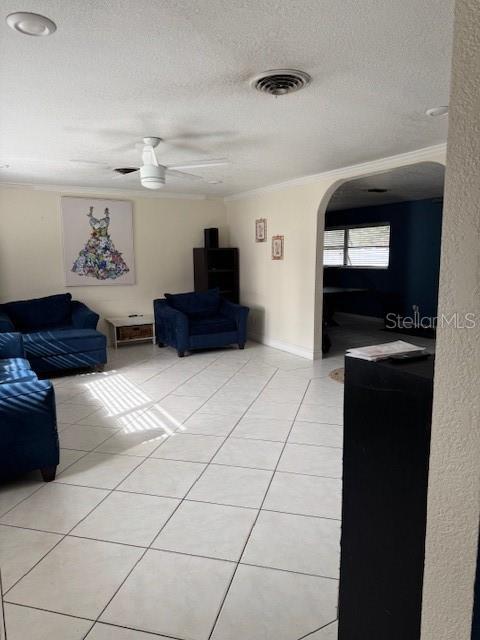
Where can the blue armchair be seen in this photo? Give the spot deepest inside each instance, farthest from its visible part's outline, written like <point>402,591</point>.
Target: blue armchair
<point>189,321</point>
<point>58,332</point>
<point>28,424</point>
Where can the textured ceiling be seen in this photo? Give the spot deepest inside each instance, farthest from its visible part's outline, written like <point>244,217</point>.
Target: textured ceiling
<point>414,182</point>
<point>118,70</point>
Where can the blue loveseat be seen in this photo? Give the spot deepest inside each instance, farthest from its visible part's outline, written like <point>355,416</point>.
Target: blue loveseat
<point>58,332</point>
<point>199,320</point>
<point>28,423</point>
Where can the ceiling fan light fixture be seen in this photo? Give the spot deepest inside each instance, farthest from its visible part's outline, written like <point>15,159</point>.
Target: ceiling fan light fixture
<point>31,24</point>
<point>152,177</point>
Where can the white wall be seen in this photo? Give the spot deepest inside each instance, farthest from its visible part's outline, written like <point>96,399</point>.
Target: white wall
<point>279,292</point>
<point>454,483</point>
<point>286,296</point>
<point>165,231</point>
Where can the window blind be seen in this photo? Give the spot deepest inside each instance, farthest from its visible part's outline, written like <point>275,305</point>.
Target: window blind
<point>352,246</point>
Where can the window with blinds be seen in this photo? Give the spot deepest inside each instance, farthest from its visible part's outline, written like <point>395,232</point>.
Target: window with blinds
<point>354,246</point>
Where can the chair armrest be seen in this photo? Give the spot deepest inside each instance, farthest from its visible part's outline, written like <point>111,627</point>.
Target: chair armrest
<point>5,323</point>
<point>239,314</point>
<point>11,345</point>
<point>83,317</point>
<point>236,312</point>
<point>171,325</point>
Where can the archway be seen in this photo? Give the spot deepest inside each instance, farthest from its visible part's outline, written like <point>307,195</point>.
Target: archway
<point>381,170</point>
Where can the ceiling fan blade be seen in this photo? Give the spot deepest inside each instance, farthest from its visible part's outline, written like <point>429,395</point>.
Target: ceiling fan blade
<point>123,175</point>
<point>95,163</point>
<point>182,174</point>
<point>12,160</point>
<point>217,162</point>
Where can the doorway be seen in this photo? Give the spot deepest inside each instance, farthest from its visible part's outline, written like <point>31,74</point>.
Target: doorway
<point>381,259</point>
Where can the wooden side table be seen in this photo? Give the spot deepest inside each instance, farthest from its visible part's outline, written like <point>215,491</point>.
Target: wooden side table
<point>129,330</point>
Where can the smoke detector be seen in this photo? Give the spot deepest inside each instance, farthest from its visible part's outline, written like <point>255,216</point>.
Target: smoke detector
<point>279,82</point>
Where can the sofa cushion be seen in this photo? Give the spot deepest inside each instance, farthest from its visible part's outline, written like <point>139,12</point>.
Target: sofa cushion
<point>211,324</point>
<point>24,387</point>
<point>14,364</point>
<point>62,341</point>
<point>201,304</point>
<point>18,375</point>
<point>39,313</point>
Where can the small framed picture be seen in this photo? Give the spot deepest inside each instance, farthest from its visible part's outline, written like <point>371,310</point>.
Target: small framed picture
<point>261,230</point>
<point>277,247</point>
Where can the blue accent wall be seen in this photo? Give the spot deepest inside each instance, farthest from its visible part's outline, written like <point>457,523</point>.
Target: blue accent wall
<point>412,275</point>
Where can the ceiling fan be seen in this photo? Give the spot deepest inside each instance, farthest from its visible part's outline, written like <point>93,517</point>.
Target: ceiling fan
<point>153,175</point>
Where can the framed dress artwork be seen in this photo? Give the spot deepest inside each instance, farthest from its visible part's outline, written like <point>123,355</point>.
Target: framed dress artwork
<point>97,242</point>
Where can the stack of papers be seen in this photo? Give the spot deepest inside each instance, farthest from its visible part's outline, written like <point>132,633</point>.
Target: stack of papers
<point>383,351</point>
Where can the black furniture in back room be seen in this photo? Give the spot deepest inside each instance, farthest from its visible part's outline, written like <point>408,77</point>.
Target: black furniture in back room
<point>217,267</point>
<point>387,418</point>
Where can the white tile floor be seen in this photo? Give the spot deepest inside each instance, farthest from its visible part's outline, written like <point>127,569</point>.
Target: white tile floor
<point>197,498</point>
<point>191,504</point>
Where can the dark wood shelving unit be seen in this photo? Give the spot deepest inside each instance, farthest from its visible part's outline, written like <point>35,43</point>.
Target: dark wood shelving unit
<point>217,268</point>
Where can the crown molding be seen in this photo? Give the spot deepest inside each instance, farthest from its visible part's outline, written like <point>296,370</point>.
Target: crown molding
<point>372,166</point>
<point>93,191</point>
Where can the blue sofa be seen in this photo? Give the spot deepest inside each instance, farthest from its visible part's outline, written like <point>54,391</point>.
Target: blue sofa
<point>28,423</point>
<point>58,332</point>
<point>199,320</point>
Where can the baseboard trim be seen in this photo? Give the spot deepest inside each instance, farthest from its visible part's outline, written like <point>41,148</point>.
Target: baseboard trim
<point>294,349</point>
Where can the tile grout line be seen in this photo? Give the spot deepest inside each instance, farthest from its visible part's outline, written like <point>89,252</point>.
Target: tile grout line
<point>64,536</point>
<point>196,501</point>
<point>86,453</point>
<point>242,466</point>
<point>153,402</point>
<point>110,491</point>
<point>310,633</point>
<point>107,624</point>
<point>181,500</point>
<point>257,516</point>
<point>42,486</point>
<point>207,465</point>
<point>2,607</point>
<point>142,410</point>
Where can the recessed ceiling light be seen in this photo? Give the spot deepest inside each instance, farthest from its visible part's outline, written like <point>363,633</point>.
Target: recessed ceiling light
<point>31,24</point>
<point>437,111</point>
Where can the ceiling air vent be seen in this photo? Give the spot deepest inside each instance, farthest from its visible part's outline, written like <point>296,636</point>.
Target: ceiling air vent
<point>279,82</point>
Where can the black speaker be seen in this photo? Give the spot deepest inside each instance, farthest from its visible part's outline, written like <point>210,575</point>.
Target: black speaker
<point>211,238</point>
